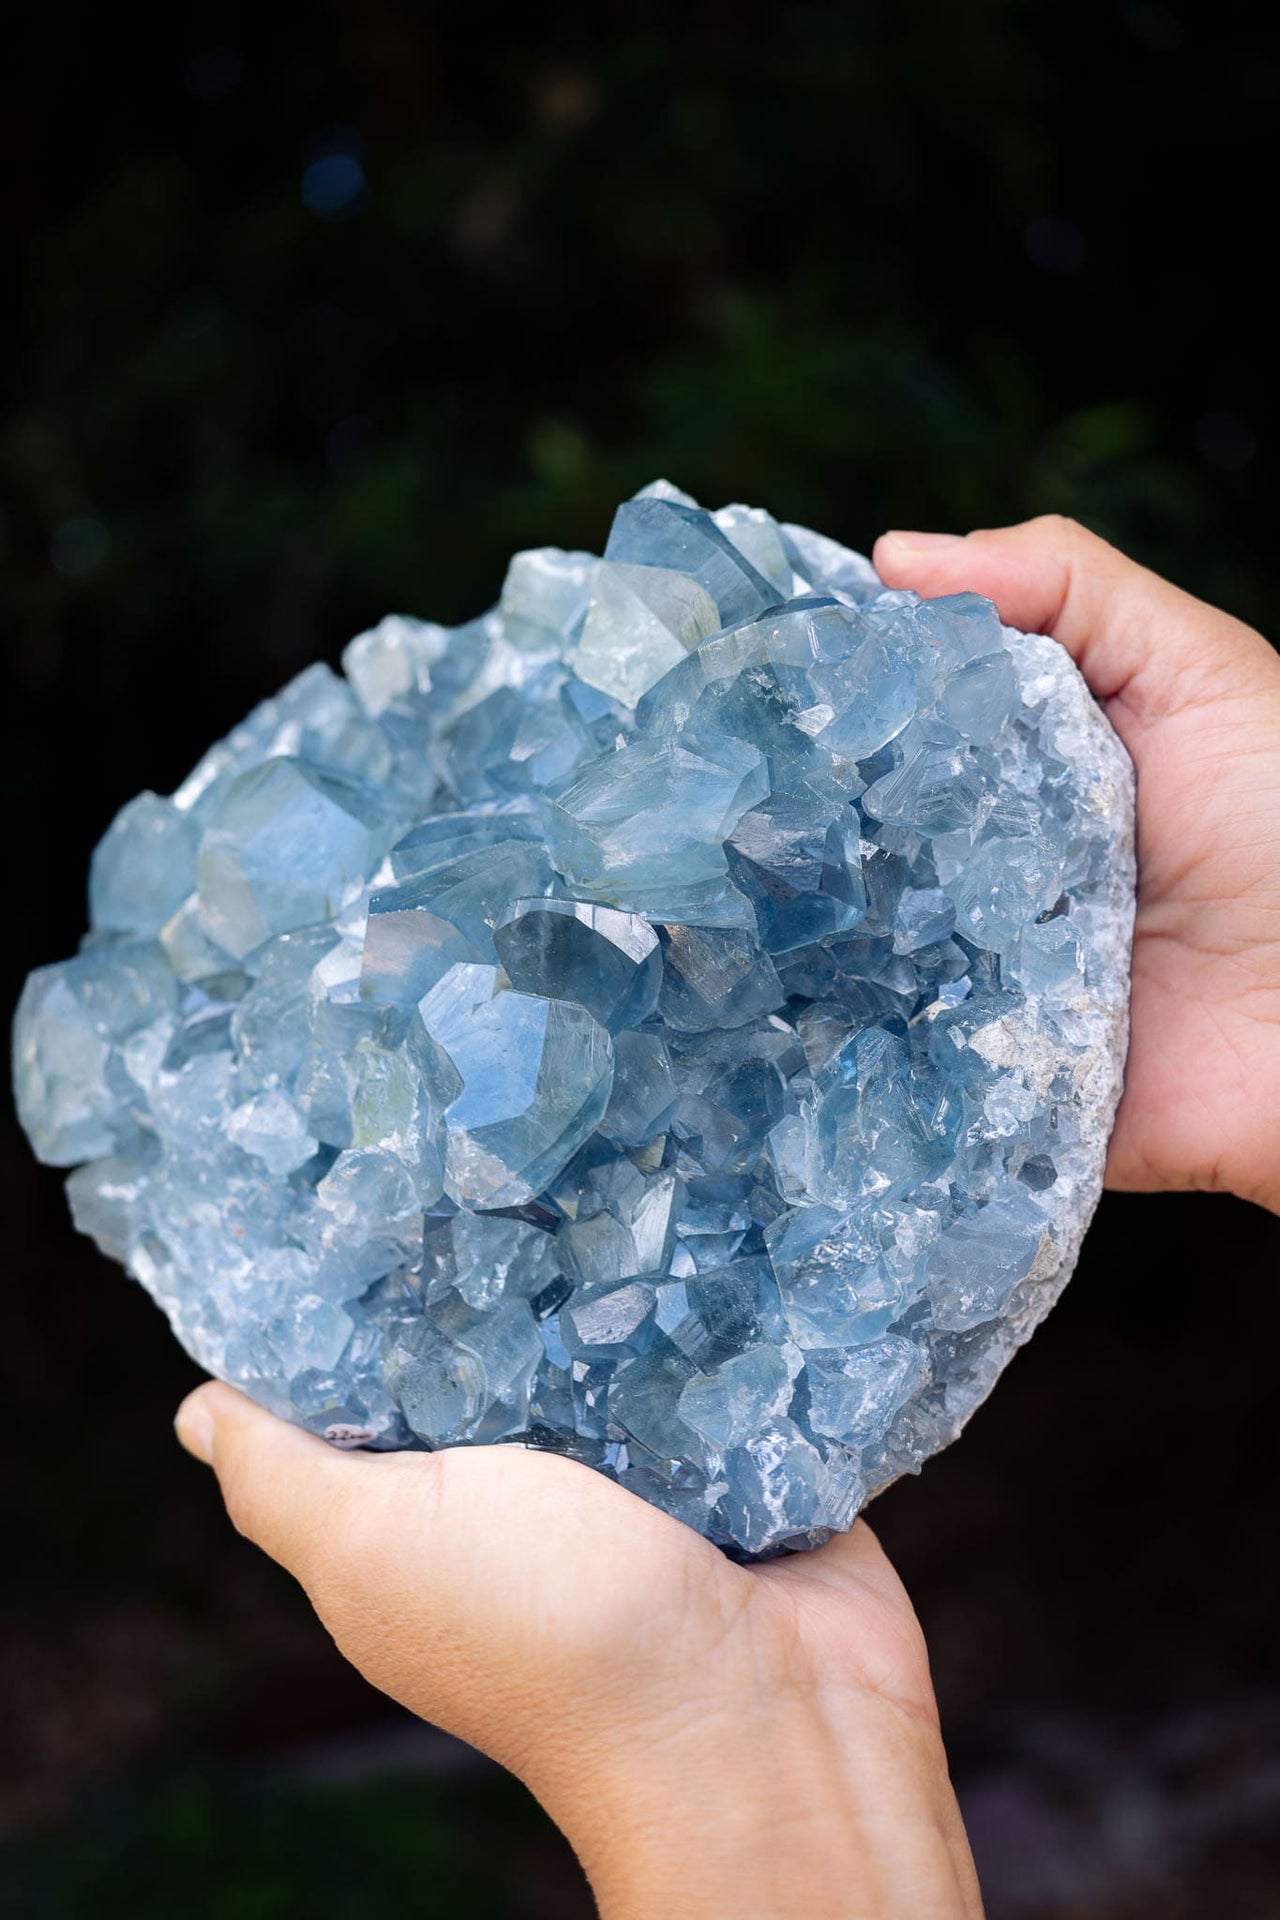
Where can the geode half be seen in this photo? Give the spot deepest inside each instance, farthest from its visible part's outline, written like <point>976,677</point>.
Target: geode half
<point>674,1020</point>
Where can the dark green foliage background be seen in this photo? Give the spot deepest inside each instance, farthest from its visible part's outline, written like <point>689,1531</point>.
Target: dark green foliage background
<point>804,255</point>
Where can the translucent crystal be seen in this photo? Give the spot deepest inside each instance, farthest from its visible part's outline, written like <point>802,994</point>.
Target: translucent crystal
<point>143,867</point>
<point>683,539</point>
<point>284,847</point>
<point>609,962</point>
<point>639,622</point>
<point>674,1019</point>
<point>643,828</point>
<point>73,1024</point>
<point>536,1077</point>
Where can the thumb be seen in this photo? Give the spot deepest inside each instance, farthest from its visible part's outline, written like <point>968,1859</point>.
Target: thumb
<point>1139,641</point>
<point>287,1491</point>
<point>416,1563</point>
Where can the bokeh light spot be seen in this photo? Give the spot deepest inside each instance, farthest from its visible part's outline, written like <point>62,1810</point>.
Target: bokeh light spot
<point>1155,27</point>
<point>78,546</point>
<point>348,444</point>
<point>1053,245</point>
<point>333,185</point>
<point>214,73</point>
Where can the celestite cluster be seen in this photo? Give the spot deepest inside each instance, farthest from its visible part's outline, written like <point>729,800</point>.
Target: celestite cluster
<point>674,1020</point>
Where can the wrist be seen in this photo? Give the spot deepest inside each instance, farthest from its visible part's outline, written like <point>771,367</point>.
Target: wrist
<point>774,1811</point>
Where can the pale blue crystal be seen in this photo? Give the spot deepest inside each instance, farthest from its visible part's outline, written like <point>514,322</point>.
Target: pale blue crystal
<point>714,978</point>
<point>780,1486</point>
<point>536,1076</point>
<point>1047,959</point>
<point>392,663</point>
<point>545,596</point>
<point>484,1257</point>
<point>925,916</point>
<point>609,962</point>
<point>286,844</point>
<point>143,868</point>
<point>454,903</point>
<point>757,536</point>
<point>859,1390</point>
<point>609,1327</point>
<point>407,948</point>
<point>824,566</point>
<point>977,1261</point>
<point>72,1025</point>
<point>673,1019</point>
<point>686,540</point>
<point>473,1386</point>
<point>980,696</point>
<point>443,838</point>
<point>316,718</point>
<point>640,621</point>
<point>623,1225</point>
<point>935,788</point>
<point>270,1127</point>
<point>730,1406</point>
<point>644,828</point>
<point>644,1090</point>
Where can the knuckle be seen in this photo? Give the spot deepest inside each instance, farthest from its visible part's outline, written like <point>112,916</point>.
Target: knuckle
<point>1061,529</point>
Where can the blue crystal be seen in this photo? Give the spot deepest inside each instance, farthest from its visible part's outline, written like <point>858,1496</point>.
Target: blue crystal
<point>925,917</point>
<point>674,1019</point>
<point>609,962</point>
<point>143,868</point>
<point>536,1077</point>
<point>72,1032</point>
<point>861,1389</point>
<point>286,844</point>
<point>643,828</point>
<point>640,621</point>
<point>729,1406</point>
<point>469,892</point>
<point>644,1090</point>
<point>651,532</point>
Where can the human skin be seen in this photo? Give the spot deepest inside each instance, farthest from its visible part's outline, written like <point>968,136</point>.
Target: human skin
<point>764,1741</point>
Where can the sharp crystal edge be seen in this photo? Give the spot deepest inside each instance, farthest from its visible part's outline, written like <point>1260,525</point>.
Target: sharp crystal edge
<point>674,1020</point>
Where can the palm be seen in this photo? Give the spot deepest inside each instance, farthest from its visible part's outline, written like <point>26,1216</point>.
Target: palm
<point>554,1583</point>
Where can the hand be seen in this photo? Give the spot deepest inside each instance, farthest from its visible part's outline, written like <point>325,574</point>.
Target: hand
<point>1196,698</point>
<point>714,1739</point>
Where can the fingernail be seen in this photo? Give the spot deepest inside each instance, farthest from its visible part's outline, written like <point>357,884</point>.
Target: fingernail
<point>924,542</point>
<point>194,1426</point>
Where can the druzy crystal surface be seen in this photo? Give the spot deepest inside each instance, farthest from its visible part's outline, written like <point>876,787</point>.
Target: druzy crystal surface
<point>674,1020</point>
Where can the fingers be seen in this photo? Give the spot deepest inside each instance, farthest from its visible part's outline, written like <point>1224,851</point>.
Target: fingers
<point>1137,639</point>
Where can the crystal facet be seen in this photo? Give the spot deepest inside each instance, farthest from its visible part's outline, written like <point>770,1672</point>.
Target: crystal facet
<point>674,1019</point>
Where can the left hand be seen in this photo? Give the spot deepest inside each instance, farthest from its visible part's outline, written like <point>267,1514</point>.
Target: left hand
<point>713,1739</point>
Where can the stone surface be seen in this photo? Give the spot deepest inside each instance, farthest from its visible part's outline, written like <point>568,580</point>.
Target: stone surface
<point>675,1019</point>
